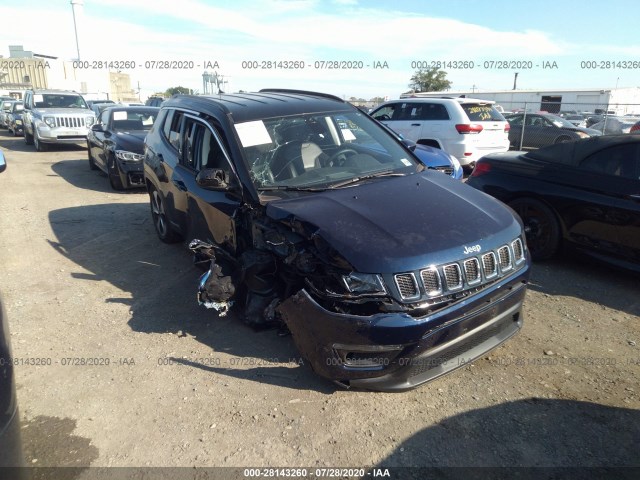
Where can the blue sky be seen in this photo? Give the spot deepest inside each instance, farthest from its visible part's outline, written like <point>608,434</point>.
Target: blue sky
<point>566,32</point>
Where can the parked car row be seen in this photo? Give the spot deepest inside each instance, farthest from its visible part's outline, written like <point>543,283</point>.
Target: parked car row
<point>279,195</point>
<point>11,116</point>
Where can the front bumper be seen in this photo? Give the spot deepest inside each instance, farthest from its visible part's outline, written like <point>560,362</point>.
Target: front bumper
<point>62,135</point>
<point>131,173</point>
<point>401,352</point>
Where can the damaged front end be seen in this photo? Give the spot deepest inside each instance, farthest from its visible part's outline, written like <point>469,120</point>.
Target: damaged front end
<point>359,329</point>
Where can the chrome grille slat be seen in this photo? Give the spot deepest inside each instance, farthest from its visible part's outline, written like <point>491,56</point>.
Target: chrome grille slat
<point>452,276</point>
<point>489,265</point>
<point>407,285</point>
<point>518,251</point>
<point>504,256</point>
<point>431,281</point>
<point>472,271</point>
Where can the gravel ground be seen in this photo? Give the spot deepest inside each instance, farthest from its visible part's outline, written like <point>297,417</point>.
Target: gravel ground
<point>121,367</point>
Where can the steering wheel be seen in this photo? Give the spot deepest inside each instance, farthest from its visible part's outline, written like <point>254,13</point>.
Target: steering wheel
<point>340,157</point>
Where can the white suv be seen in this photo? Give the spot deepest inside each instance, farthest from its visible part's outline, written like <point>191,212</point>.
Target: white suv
<point>467,128</point>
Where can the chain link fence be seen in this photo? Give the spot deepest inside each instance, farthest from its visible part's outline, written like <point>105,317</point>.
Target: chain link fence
<point>538,124</point>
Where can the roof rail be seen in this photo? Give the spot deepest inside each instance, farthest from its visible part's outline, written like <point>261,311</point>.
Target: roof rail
<point>301,92</point>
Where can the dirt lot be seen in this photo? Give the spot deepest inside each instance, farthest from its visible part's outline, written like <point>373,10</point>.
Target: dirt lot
<point>122,367</point>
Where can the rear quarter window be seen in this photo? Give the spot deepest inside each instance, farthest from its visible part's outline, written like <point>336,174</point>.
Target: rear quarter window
<point>482,113</point>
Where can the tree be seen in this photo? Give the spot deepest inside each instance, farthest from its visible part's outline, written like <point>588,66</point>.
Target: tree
<point>176,90</point>
<point>429,80</point>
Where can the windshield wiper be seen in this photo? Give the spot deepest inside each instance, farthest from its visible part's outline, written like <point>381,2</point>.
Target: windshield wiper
<point>367,177</point>
<point>289,188</point>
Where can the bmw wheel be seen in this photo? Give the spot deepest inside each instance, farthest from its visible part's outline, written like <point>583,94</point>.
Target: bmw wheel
<point>159,216</point>
<point>541,227</point>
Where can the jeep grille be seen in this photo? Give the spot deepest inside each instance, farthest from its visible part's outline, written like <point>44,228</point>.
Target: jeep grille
<point>442,282</point>
<point>69,121</point>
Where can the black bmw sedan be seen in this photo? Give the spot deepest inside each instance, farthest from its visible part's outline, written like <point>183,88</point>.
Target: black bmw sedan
<point>583,194</point>
<point>115,144</point>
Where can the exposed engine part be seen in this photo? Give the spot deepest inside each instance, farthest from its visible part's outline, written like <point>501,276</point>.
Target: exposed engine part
<point>215,290</point>
<point>216,287</point>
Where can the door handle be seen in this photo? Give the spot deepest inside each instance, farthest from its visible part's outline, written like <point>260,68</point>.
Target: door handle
<point>415,124</point>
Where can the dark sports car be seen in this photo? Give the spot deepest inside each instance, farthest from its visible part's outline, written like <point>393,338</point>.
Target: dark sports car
<point>115,144</point>
<point>542,129</point>
<point>584,194</point>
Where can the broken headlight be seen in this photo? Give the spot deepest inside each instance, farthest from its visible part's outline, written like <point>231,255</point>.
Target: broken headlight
<point>364,283</point>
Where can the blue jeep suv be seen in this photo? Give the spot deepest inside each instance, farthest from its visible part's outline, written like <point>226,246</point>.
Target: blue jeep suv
<point>307,212</point>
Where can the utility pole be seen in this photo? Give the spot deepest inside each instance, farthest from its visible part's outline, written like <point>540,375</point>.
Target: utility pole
<point>515,80</point>
<point>76,8</point>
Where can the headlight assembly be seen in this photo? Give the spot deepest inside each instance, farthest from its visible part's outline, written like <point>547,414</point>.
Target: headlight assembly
<point>50,121</point>
<point>129,156</point>
<point>88,121</point>
<point>357,282</point>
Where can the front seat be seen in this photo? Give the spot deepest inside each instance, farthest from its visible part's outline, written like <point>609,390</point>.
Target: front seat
<point>294,158</point>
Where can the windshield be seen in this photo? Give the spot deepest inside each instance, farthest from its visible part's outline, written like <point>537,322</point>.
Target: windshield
<point>320,150</point>
<point>127,121</point>
<point>50,100</point>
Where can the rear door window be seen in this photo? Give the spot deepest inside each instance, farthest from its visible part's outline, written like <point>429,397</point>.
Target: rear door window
<point>433,111</point>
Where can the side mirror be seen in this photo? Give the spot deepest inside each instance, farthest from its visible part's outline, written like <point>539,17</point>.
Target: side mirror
<point>97,127</point>
<point>3,163</point>
<point>213,179</point>
<point>409,144</point>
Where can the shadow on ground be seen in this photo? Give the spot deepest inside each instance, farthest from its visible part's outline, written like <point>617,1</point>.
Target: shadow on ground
<point>117,243</point>
<point>526,439</point>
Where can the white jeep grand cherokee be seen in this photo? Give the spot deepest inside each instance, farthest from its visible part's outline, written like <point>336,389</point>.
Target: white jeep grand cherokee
<point>467,128</point>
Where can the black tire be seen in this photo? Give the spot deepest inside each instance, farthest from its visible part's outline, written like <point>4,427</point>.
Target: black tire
<point>159,217</point>
<point>541,227</point>
<point>114,175</point>
<point>28,139</point>
<point>92,163</point>
<point>40,147</point>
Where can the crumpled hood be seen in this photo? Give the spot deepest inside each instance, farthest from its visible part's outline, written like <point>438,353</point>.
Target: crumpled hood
<point>397,224</point>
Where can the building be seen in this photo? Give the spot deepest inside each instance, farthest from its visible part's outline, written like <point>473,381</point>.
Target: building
<point>24,70</point>
<point>621,101</point>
